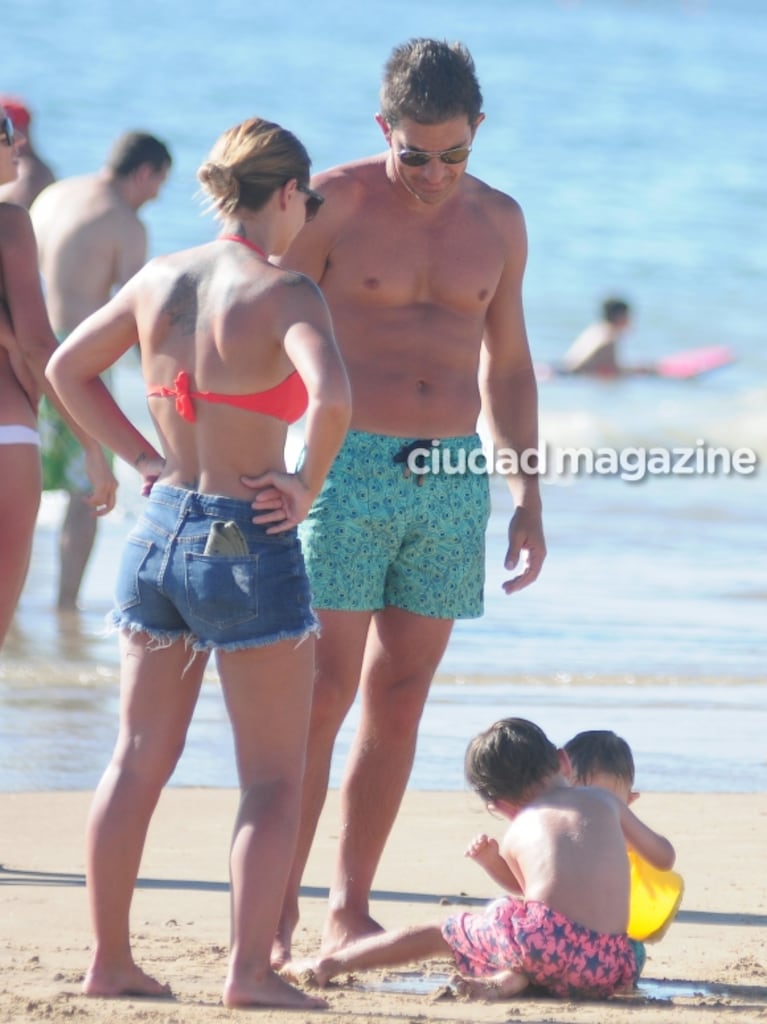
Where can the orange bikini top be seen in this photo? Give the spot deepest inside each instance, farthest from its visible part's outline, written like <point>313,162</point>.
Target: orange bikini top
<point>285,401</point>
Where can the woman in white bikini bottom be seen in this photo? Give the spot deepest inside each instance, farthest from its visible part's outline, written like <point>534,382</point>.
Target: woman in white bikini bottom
<point>19,503</point>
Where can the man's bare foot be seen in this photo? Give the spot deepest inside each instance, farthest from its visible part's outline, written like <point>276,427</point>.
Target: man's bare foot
<point>283,940</point>
<point>130,981</point>
<point>268,990</point>
<point>280,954</point>
<point>503,985</point>
<point>281,949</point>
<point>343,927</point>
<point>310,973</point>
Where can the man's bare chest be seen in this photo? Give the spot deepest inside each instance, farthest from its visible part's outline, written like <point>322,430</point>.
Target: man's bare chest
<point>407,267</point>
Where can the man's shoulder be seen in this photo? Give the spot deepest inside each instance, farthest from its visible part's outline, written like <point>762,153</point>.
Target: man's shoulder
<point>354,176</point>
<point>491,198</point>
<point>64,195</point>
<point>68,186</point>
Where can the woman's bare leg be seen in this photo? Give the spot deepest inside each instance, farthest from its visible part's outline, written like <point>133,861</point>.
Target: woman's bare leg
<point>159,690</point>
<point>268,695</point>
<point>19,504</point>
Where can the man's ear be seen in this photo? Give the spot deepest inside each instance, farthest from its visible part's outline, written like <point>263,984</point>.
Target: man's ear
<point>565,764</point>
<point>477,123</point>
<point>384,125</point>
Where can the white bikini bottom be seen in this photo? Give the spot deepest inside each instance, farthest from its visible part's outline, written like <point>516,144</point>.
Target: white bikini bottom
<point>16,434</point>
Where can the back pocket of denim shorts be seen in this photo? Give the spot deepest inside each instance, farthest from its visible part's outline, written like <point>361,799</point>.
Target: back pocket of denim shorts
<point>135,554</point>
<point>222,590</point>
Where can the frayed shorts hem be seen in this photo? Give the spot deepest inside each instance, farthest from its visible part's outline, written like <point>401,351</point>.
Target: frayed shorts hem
<point>159,639</point>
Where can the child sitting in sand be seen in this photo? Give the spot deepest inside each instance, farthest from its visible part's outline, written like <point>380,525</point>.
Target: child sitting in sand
<point>563,861</point>
<point>599,757</point>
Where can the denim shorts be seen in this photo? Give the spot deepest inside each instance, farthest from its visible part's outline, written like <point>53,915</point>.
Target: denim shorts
<point>379,534</point>
<point>170,588</point>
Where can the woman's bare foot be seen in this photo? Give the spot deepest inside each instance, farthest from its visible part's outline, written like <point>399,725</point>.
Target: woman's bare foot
<point>268,990</point>
<point>126,981</point>
<point>503,985</point>
<point>342,927</point>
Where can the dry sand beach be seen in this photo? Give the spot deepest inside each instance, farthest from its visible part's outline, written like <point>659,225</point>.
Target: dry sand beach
<point>710,967</point>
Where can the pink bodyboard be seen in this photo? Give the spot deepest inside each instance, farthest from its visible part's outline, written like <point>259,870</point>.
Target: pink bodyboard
<point>694,361</point>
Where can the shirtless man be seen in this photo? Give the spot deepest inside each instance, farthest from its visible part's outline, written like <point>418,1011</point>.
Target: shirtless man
<point>32,172</point>
<point>90,242</point>
<point>421,264</point>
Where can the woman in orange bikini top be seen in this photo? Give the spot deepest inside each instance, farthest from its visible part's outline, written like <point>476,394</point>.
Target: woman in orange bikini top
<point>216,316</point>
<point>285,401</point>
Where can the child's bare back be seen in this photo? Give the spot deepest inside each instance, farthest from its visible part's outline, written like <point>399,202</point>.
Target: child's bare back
<point>563,842</point>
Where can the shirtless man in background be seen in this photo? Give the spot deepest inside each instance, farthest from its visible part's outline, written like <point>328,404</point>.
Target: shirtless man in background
<point>422,265</point>
<point>90,241</point>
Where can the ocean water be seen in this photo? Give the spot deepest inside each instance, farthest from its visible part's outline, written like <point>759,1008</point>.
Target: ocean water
<point>632,133</point>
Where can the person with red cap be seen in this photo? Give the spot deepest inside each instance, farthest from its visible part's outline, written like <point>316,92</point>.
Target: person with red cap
<point>33,174</point>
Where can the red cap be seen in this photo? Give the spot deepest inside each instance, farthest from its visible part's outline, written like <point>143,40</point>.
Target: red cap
<point>17,111</point>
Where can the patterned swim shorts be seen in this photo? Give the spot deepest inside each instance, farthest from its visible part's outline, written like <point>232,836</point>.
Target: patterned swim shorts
<point>63,459</point>
<point>564,958</point>
<point>379,534</point>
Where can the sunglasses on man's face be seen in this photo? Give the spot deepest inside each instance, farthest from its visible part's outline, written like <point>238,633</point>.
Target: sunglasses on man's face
<point>313,201</point>
<point>6,130</point>
<point>420,157</point>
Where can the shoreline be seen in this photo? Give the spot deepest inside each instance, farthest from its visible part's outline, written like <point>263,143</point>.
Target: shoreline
<point>59,729</point>
<point>712,960</point>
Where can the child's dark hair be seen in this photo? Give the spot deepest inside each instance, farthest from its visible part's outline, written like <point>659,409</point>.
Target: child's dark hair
<point>600,750</point>
<point>615,310</point>
<point>510,760</point>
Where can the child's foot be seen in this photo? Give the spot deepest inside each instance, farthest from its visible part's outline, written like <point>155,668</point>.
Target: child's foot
<point>503,985</point>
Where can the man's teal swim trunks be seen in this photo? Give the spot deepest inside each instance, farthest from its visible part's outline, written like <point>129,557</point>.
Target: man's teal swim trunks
<point>382,533</point>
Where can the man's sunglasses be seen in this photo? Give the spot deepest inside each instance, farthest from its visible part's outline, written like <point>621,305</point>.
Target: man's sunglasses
<point>313,201</point>
<point>6,131</point>
<point>420,157</point>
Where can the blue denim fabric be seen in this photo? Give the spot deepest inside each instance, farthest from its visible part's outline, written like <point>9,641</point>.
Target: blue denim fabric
<point>170,589</point>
